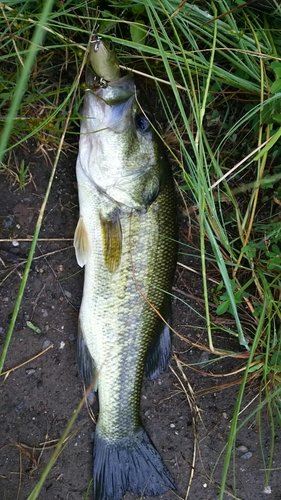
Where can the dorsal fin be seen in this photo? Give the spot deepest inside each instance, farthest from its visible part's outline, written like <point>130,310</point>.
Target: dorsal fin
<point>112,242</point>
<point>81,243</point>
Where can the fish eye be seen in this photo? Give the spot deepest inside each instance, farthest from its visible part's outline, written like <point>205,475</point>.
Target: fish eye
<point>142,124</point>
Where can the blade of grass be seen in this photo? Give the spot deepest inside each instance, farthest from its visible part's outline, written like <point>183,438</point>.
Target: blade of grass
<point>202,185</point>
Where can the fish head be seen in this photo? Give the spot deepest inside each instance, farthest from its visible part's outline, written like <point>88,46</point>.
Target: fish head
<point>119,150</point>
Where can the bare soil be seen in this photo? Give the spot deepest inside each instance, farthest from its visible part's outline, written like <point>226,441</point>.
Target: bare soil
<point>189,427</point>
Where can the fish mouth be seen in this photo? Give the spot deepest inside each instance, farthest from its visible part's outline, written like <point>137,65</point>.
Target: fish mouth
<point>115,103</point>
<point>119,117</point>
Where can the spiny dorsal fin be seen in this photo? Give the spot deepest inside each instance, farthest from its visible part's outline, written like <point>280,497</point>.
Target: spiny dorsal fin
<point>112,243</point>
<point>81,243</point>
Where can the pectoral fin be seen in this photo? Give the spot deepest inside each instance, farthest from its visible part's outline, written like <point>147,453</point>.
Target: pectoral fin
<point>81,243</point>
<point>112,243</point>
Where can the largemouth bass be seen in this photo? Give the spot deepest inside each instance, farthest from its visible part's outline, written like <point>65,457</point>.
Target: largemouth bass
<point>125,238</point>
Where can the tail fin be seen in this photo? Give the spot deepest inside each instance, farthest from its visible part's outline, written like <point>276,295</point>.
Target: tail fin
<point>128,464</point>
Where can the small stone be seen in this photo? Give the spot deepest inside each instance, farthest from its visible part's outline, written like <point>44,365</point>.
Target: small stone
<point>46,344</point>
<point>267,490</point>
<point>1,329</point>
<point>204,358</point>
<point>30,371</point>
<point>242,448</point>
<point>67,294</point>
<point>72,337</point>
<point>8,222</point>
<point>20,407</point>
<point>62,344</point>
<point>44,313</point>
<point>15,243</point>
<point>247,455</point>
<point>172,426</point>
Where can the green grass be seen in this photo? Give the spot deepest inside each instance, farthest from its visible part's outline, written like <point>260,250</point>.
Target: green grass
<point>222,67</point>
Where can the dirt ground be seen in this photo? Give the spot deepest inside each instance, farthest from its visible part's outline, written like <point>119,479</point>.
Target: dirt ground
<point>188,427</point>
